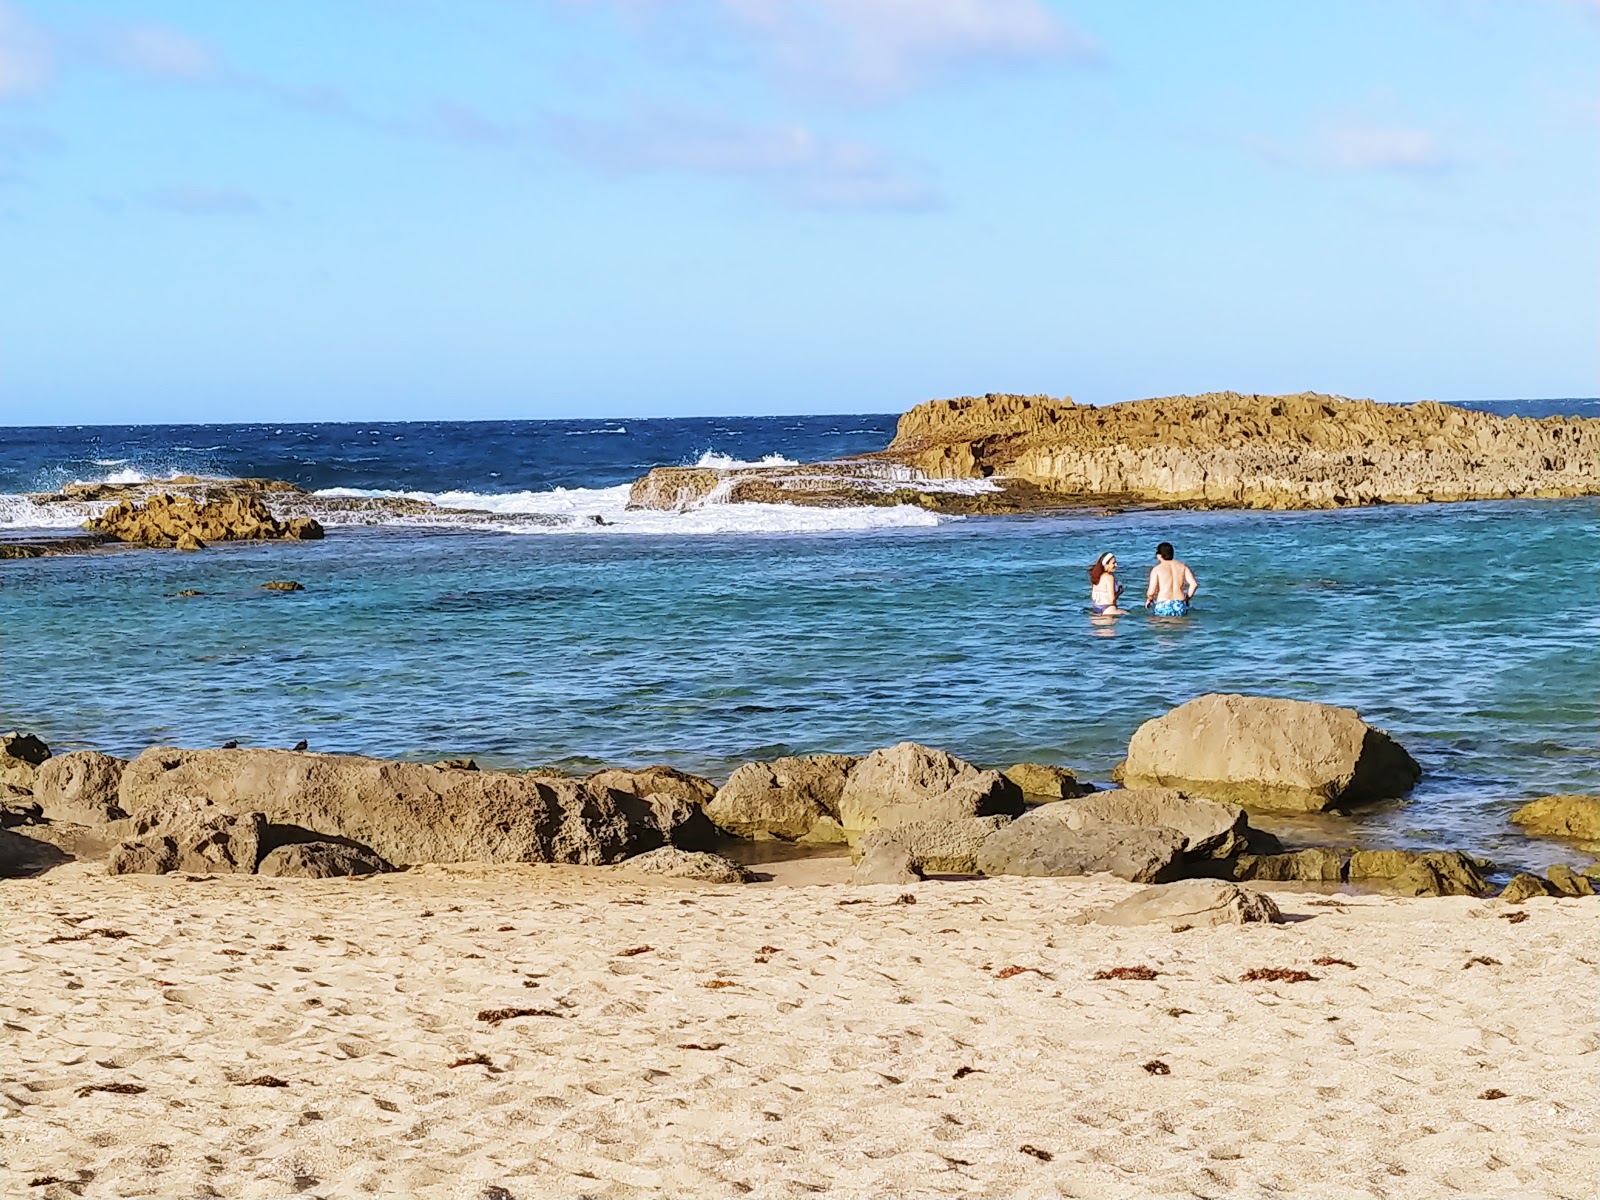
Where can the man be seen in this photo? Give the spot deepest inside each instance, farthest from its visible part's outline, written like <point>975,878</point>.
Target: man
<point>1172,585</point>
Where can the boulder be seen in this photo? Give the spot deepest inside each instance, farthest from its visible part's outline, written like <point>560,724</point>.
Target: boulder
<point>686,864</point>
<point>406,812</point>
<point>80,787</point>
<point>1568,882</point>
<point>321,860</point>
<point>942,847</point>
<point>1316,865</point>
<point>1575,817</point>
<point>1422,873</point>
<point>905,783</point>
<point>1193,902</point>
<point>1046,782</point>
<point>1524,885</point>
<point>20,756</point>
<point>1272,754</point>
<point>1210,829</point>
<point>196,837</point>
<point>1043,843</point>
<point>887,861</point>
<point>784,799</point>
<point>677,799</point>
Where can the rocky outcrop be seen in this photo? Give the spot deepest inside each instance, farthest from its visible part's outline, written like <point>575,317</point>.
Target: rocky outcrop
<point>20,757</point>
<point>191,836</point>
<point>790,799</point>
<point>871,482</point>
<point>1044,843</point>
<point>1574,817</point>
<point>941,847</point>
<point>320,860</point>
<point>1191,903</point>
<point>1569,882</point>
<point>673,863</point>
<point>909,783</point>
<point>1209,829</point>
<point>1270,754</point>
<point>188,524</point>
<point>406,812</point>
<point>1042,782</point>
<point>677,798</point>
<point>1227,449</point>
<point>1316,865</point>
<point>80,787</point>
<point>1525,885</point>
<point>1421,873</point>
<point>886,861</point>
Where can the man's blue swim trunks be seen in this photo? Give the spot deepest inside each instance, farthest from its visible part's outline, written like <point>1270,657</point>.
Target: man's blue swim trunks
<point>1170,608</point>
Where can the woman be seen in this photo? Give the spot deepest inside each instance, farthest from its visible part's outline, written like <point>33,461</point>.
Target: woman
<point>1104,590</point>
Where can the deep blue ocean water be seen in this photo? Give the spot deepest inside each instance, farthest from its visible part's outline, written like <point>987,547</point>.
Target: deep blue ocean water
<point>1469,631</point>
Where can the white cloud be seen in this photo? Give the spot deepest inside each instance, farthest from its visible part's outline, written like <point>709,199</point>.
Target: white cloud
<point>789,161</point>
<point>26,63</point>
<point>164,53</point>
<point>1376,148</point>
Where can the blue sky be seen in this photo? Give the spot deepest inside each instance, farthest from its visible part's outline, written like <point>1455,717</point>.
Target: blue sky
<point>320,209</point>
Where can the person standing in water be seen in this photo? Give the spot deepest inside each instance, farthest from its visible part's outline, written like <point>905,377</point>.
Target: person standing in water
<point>1103,586</point>
<point>1172,585</point>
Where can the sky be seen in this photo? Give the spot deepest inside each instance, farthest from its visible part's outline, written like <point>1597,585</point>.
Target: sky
<point>398,209</point>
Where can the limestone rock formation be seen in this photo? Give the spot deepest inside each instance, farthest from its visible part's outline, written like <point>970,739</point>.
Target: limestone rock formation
<point>321,860</point>
<point>940,847</point>
<point>20,756</point>
<point>1569,882</point>
<point>406,812</point>
<point>1315,865</point>
<point>80,787</point>
<point>1043,842</point>
<point>194,837</point>
<point>1524,885</point>
<point>1422,873</point>
<point>886,861</point>
<point>1209,829</point>
<point>788,798</point>
<point>907,782</point>
<point>187,523</point>
<point>687,864</point>
<point>1198,903</point>
<point>1271,754</point>
<point>678,799</point>
<point>1046,782</point>
<point>1575,817</point>
<point>1248,451</point>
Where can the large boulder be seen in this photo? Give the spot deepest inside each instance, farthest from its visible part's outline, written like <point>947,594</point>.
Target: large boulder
<point>1575,817</point>
<point>191,836</point>
<point>188,522</point>
<point>943,847</point>
<point>80,787</point>
<point>1267,753</point>
<point>677,798</point>
<point>674,863</point>
<point>1210,829</point>
<point>886,861</point>
<point>1044,843</point>
<point>1316,865</point>
<point>1191,902</point>
<point>1421,873</point>
<point>787,799</point>
<point>406,812</point>
<point>909,783</point>
<point>20,756</point>
<point>320,860</point>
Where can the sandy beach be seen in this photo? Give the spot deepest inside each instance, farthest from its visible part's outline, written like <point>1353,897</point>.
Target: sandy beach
<point>242,1036</point>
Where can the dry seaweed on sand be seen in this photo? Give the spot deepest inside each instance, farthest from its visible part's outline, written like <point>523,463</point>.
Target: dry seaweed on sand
<point>496,1015</point>
<point>115,1089</point>
<point>1480,960</point>
<point>1041,1155</point>
<point>632,950</point>
<point>1328,960</point>
<point>472,1060</point>
<point>1012,971</point>
<point>1516,918</point>
<point>1491,1094</point>
<point>1140,972</point>
<point>1156,1067</point>
<point>266,1081</point>
<point>1276,975</point>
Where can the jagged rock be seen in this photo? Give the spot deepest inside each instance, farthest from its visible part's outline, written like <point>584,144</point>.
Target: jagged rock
<point>1523,885</point>
<point>1316,865</point>
<point>677,798</point>
<point>1043,843</point>
<point>907,782</point>
<point>1422,873</point>
<point>1267,753</point>
<point>1568,882</point>
<point>196,837</point>
<point>1575,817</point>
<point>940,847</point>
<point>282,585</point>
<point>80,787</point>
<point>1224,449</point>
<point>826,832</point>
<point>20,756</point>
<point>188,522</point>
<point>1210,829</point>
<point>686,864</point>
<point>887,861</point>
<point>1199,903</point>
<point>1053,783</point>
<point>786,798</point>
<point>321,860</point>
<point>407,812</point>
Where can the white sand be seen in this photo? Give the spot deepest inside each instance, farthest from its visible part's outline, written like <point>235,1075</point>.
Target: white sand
<point>826,1068</point>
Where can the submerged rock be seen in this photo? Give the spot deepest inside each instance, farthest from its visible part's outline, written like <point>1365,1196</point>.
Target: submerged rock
<point>909,783</point>
<point>1574,816</point>
<point>283,585</point>
<point>788,798</point>
<point>1199,903</point>
<point>687,864</point>
<point>1271,754</point>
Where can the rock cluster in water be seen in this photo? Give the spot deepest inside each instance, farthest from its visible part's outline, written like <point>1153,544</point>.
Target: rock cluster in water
<point>188,524</point>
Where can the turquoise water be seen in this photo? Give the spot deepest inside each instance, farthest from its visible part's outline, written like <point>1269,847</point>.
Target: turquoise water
<point>1468,631</point>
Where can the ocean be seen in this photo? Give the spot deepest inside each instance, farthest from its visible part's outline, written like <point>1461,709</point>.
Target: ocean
<point>704,639</point>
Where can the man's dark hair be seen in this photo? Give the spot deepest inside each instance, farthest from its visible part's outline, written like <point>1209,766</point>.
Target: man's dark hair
<point>1164,551</point>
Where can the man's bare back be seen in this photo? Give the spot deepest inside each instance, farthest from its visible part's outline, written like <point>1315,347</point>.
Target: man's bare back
<point>1172,585</point>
